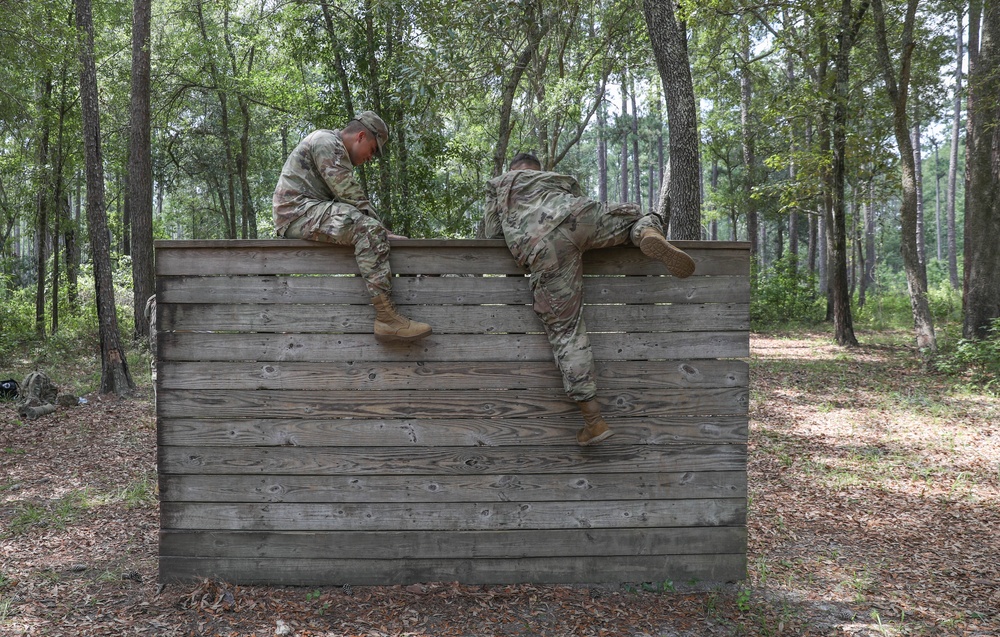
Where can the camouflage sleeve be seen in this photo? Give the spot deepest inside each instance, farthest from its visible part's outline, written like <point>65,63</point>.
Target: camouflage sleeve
<point>335,168</point>
<point>491,216</point>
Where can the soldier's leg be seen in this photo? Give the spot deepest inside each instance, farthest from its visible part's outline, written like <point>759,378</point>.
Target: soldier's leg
<point>343,224</point>
<point>602,226</point>
<point>557,287</point>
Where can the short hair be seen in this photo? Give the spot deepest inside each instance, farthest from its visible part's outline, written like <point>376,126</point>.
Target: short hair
<point>354,126</point>
<point>525,158</point>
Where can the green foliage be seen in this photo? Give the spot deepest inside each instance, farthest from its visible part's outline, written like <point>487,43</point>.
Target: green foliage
<point>785,294</point>
<point>888,306</point>
<point>975,362</point>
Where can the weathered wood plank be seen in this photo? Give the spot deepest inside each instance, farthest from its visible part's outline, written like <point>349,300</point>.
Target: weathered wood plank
<point>356,461</point>
<point>444,488</point>
<point>471,432</point>
<point>649,375</point>
<point>401,545</point>
<point>408,257</point>
<point>190,346</point>
<point>361,572</point>
<point>444,290</point>
<point>526,403</point>
<point>473,319</point>
<point>451,516</point>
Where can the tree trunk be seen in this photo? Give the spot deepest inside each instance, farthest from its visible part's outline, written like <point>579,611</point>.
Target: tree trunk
<point>669,41</point>
<point>897,88</point>
<point>713,227</point>
<point>602,158</point>
<point>981,291</point>
<point>749,153</point>
<point>228,203</point>
<point>115,376</point>
<point>850,24</point>
<point>870,237</point>
<point>73,252</point>
<point>538,26</point>
<point>937,204</point>
<point>42,198</point>
<point>624,154</point>
<point>637,185</point>
<point>919,178</point>
<point>140,167</point>
<point>956,123</point>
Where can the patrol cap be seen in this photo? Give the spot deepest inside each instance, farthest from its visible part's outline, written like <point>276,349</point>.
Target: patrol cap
<point>374,123</point>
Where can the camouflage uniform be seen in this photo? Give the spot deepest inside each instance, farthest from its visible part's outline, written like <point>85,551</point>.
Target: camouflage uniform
<point>318,198</point>
<point>548,225</point>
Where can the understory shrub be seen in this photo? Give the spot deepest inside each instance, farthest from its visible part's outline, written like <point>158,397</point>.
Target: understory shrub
<point>785,294</point>
<point>976,361</point>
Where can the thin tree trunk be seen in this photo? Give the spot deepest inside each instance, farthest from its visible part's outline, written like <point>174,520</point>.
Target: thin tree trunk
<point>538,26</point>
<point>42,196</point>
<point>140,167</point>
<point>897,88</point>
<point>937,203</point>
<point>919,174</point>
<point>73,252</point>
<point>668,36</point>
<point>602,157</point>
<point>849,26</point>
<point>870,236</point>
<point>749,152</point>
<point>956,123</point>
<point>624,153</point>
<point>637,186</point>
<point>981,292</point>
<point>714,184</point>
<point>115,376</point>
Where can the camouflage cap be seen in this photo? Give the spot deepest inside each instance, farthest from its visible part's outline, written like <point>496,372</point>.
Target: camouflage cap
<point>374,123</point>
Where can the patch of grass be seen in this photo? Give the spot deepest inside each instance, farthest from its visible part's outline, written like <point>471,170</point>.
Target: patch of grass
<point>140,493</point>
<point>55,515</point>
<point>6,609</point>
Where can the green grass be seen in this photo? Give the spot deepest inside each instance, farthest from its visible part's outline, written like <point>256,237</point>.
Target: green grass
<point>57,514</point>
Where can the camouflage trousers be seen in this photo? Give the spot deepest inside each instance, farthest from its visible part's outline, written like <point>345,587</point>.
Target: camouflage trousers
<point>343,224</point>
<point>556,267</point>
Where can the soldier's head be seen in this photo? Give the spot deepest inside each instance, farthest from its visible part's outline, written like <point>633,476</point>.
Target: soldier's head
<point>364,137</point>
<point>525,161</point>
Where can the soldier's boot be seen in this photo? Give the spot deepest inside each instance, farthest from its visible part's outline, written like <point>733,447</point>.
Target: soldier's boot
<point>653,244</point>
<point>596,428</point>
<point>391,325</point>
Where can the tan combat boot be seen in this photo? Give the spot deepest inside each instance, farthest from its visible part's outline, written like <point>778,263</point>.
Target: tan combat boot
<point>389,324</point>
<point>654,245</point>
<point>596,429</point>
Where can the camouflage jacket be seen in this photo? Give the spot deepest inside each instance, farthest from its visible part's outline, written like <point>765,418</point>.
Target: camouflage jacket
<point>318,170</point>
<point>525,205</point>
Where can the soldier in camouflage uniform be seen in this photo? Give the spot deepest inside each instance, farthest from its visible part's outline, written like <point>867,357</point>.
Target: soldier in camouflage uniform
<point>317,198</point>
<point>548,225</point>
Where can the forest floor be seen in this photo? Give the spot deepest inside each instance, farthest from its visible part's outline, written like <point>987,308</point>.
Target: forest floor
<point>874,508</point>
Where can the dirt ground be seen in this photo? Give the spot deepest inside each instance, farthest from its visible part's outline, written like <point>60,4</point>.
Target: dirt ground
<point>874,508</point>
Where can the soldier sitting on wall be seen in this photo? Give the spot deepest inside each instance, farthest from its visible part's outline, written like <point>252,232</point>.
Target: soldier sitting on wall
<point>317,198</point>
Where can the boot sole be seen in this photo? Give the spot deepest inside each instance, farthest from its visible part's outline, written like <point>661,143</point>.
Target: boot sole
<point>596,439</point>
<point>397,337</point>
<point>677,261</point>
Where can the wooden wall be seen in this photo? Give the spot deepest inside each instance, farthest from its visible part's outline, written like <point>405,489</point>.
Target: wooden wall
<point>296,449</point>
